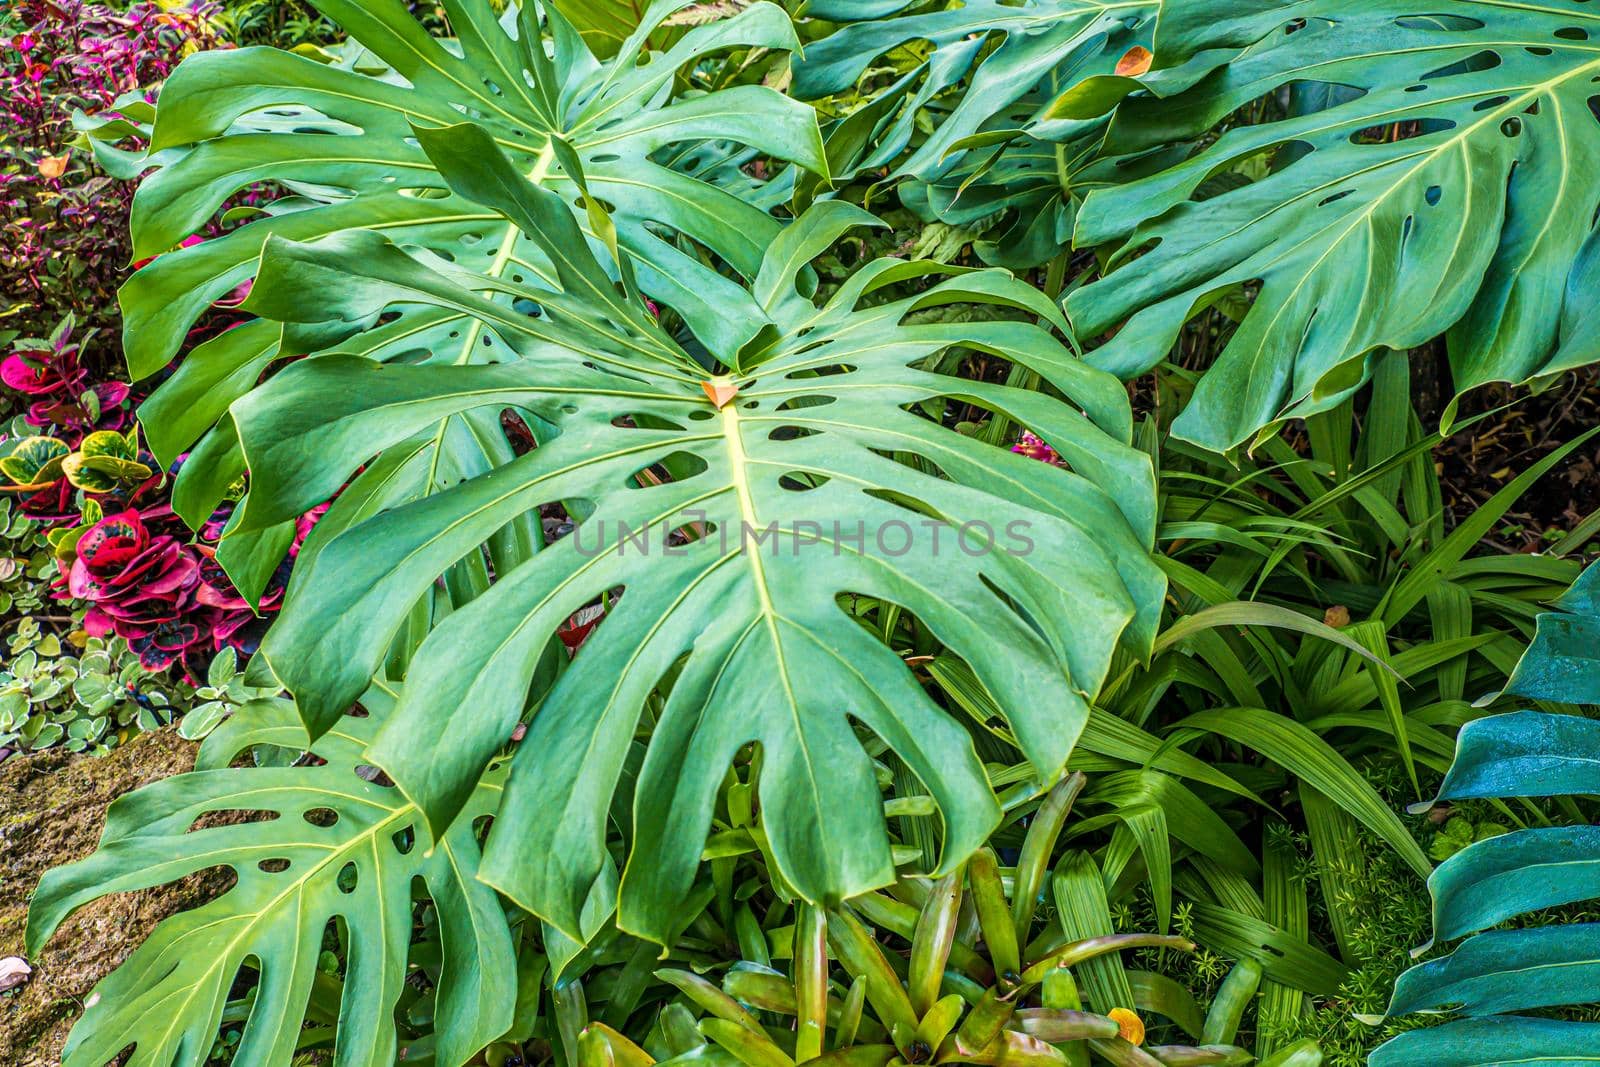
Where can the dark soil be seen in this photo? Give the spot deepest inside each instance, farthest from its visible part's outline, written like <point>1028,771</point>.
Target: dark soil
<point>1476,463</point>
<point>52,808</point>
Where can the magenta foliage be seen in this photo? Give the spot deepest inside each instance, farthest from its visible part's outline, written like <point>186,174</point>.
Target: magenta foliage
<point>64,250</point>
<point>1036,448</point>
<point>167,597</point>
<point>52,374</point>
<point>64,241</point>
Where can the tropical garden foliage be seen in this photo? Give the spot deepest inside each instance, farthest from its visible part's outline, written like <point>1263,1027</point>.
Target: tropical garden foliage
<point>862,531</point>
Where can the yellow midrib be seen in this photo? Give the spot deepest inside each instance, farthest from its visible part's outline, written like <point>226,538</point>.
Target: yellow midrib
<point>739,475</point>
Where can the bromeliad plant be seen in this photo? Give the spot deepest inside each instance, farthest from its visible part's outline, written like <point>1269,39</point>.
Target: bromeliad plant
<point>983,977</point>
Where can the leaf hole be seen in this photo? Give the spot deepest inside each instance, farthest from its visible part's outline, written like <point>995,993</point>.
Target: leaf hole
<point>276,865</point>
<point>229,817</point>
<point>802,481</point>
<point>404,840</point>
<point>823,371</point>
<point>790,433</point>
<point>809,400</point>
<point>321,816</point>
<point>689,533</point>
<point>348,876</point>
<point>1573,33</point>
<point>1473,64</point>
<point>368,773</point>
<point>674,467</point>
<point>1432,195</point>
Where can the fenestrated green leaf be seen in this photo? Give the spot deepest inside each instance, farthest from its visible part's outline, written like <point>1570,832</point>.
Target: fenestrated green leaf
<point>1012,152</point>
<point>341,137</point>
<point>338,847</point>
<point>774,471</point>
<point>1452,192</point>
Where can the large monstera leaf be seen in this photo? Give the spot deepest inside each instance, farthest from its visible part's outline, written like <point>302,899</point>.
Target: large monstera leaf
<point>1452,191</point>
<point>338,846</point>
<point>339,137</point>
<point>732,506</point>
<point>1014,150</point>
<point>1497,973</point>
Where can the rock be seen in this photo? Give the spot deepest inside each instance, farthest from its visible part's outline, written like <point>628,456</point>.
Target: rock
<point>14,971</point>
<point>52,813</point>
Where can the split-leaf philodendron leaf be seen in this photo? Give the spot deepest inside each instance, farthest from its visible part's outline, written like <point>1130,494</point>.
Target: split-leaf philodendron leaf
<point>1498,972</point>
<point>733,506</point>
<point>1017,143</point>
<point>339,137</point>
<point>337,846</point>
<point>1452,190</point>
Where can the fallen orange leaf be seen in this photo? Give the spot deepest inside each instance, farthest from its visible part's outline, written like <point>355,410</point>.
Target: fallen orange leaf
<point>1130,1027</point>
<point>1134,62</point>
<point>53,166</point>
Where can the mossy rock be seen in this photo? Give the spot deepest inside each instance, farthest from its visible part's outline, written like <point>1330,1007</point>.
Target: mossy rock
<point>53,810</point>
